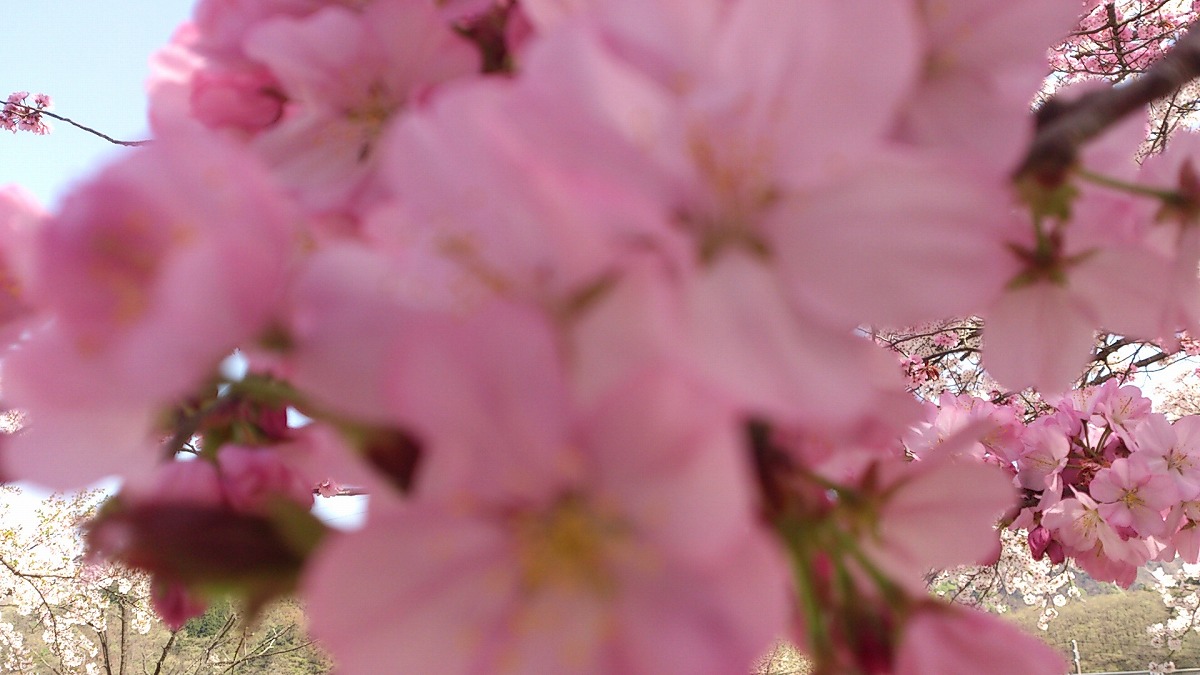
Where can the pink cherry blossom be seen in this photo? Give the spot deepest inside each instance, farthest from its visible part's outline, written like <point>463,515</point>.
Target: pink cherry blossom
<point>546,13</point>
<point>1042,545</point>
<point>937,514</point>
<point>1093,542</point>
<point>1172,234</point>
<point>251,478</point>
<point>464,10</point>
<point>194,482</point>
<point>586,569</point>
<point>1045,455</point>
<point>508,181</point>
<point>18,114</point>
<point>20,215</point>
<point>949,640</point>
<point>1000,444</point>
<point>345,75</point>
<point>1077,522</point>
<point>1130,495</point>
<point>224,24</point>
<point>751,342</point>
<point>1019,350</point>
<point>245,99</point>
<point>175,605</point>
<point>982,60</point>
<point>599,329</point>
<point>1099,272</point>
<point>1172,450</point>
<point>149,275</point>
<point>914,269</point>
<point>1122,408</point>
<point>1186,543</point>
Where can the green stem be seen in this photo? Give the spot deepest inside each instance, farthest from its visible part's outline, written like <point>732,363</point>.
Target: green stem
<point>1166,196</point>
<point>268,390</point>
<point>893,595</point>
<point>1096,451</point>
<point>806,591</point>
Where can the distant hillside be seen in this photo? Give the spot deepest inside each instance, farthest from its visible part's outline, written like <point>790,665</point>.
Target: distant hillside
<point>1111,631</point>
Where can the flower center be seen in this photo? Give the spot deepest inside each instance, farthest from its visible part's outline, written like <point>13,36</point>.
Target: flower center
<point>570,546</point>
<point>372,116</point>
<point>1131,499</point>
<point>1178,462</point>
<point>740,193</point>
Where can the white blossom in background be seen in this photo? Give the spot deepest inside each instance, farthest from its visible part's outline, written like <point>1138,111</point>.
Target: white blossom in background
<point>45,576</point>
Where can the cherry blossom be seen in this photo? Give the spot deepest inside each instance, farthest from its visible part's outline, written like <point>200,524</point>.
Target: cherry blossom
<point>117,271</point>
<point>1171,450</point>
<point>343,75</point>
<point>581,553</point>
<point>595,300</point>
<point>19,114</point>
<point>939,640</point>
<point>1129,495</point>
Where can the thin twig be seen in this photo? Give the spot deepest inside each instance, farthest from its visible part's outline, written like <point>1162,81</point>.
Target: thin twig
<point>45,603</point>
<point>1065,126</point>
<point>77,125</point>
<point>165,650</point>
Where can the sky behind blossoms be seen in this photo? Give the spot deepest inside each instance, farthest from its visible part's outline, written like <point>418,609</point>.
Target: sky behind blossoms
<point>91,58</point>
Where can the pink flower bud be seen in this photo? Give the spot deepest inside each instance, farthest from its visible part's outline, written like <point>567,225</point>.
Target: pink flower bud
<point>175,605</point>
<point>1039,541</point>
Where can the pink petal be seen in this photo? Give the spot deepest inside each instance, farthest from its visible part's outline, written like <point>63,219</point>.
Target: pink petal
<point>1037,336</point>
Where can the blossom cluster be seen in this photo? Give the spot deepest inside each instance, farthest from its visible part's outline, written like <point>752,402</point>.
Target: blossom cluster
<point>1118,40</point>
<point>577,292</point>
<point>1164,668</point>
<point>1103,479</point>
<point>1178,591</point>
<point>1013,575</point>
<point>74,601</point>
<point>19,114</point>
<point>1121,38</point>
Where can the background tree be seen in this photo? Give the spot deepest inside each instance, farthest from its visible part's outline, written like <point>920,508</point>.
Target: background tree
<point>61,613</point>
<point>1119,40</point>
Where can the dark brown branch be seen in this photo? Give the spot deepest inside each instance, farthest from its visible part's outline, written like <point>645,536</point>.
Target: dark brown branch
<point>267,655</point>
<point>77,125</point>
<point>346,492</point>
<point>951,350</point>
<point>1163,132</point>
<point>1143,13</point>
<point>104,650</point>
<point>216,640</point>
<point>1151,360</point>
<point>1104,352</point>
<point>45,603</point>
<point>162,656</point>
<point>1065,126</point>
<point>124,635</point>
<point>1110,10</point>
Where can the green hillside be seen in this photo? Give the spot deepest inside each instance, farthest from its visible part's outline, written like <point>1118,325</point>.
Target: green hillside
<point>1111,631</point>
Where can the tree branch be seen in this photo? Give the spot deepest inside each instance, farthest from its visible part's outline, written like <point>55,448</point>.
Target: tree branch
<point>103,638</point>
<point>1065,126</point>
<point>77,125</point>
<point>162,656</point>
<point>42,596</point>
<point>124,635</point>
<point>220,635</point>
<point>1110,10</point>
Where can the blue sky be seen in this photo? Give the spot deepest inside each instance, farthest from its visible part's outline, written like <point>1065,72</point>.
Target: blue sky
<point>91,57</point>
